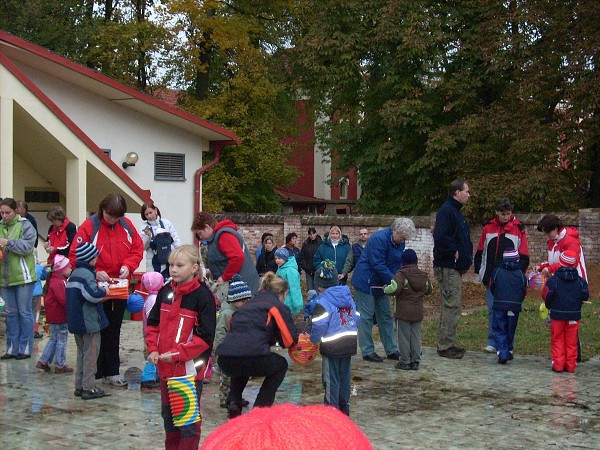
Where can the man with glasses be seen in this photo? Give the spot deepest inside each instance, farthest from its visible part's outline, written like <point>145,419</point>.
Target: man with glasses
<point>227,253</point>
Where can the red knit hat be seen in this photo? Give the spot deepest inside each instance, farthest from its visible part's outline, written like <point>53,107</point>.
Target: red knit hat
<point>289,427</point>
<point>568,258</point>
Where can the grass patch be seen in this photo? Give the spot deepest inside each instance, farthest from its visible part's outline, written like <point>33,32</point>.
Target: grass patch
<point>533,334</point>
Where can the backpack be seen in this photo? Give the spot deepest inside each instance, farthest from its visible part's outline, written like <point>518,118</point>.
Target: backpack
<point>161,244</point>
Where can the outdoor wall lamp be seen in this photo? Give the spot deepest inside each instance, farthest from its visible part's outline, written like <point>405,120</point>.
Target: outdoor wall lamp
<point>130,159</point>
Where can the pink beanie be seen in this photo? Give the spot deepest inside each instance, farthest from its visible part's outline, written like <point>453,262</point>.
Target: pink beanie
<point>290,427</point>
<point>60,263</point>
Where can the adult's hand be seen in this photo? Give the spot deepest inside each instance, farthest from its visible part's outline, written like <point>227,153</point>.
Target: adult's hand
<point>124,272</point>
<point>102,276</point>
<point>153,357</point>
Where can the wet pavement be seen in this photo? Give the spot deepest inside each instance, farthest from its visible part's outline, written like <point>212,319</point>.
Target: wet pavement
<point>446,404</point>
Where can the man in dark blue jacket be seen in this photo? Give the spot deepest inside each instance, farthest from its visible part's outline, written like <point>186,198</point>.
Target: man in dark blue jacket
<point>452,256</point>
<point>378,263</point>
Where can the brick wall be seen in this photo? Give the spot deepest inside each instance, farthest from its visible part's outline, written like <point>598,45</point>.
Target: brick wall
<point>252,226</point>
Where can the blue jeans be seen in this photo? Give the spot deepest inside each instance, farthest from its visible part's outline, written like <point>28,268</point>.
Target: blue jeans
<point>56,348</point>
<point>368,305</point>
<point>490,315</point>
<point>336,381</point>
<point>19,318</point>
<point>505,325</point>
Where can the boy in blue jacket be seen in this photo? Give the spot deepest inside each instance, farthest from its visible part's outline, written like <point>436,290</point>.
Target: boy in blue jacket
<point>85,318</point>
<point>335,326</point>
<point>563,295</point>
<point>508,286</point>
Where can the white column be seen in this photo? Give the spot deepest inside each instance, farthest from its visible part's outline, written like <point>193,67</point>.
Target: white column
<point>76,190</point>
<point>6,147</point>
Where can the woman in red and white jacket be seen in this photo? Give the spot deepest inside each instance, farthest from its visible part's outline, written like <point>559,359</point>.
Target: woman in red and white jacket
<point>121,251</point>
<point>560,239</point>
<point>502,232</point>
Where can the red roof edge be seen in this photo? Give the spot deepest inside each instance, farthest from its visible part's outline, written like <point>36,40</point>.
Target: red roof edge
<point>86,71</point>
<point>12,68</point>
<point>299,198</point>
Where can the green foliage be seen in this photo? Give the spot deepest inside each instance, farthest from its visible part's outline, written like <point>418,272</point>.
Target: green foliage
<point>419,93</point>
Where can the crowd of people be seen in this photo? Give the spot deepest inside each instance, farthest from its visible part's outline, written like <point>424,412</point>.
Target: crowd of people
<point>234,309</point>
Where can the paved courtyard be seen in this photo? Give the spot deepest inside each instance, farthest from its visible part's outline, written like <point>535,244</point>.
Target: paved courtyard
<point>446,404</point>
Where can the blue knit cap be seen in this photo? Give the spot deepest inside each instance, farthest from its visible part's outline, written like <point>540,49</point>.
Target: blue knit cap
<point>409,256</point>
<point>86,252</point>
<point>282,253</point>
<point>238,290</point>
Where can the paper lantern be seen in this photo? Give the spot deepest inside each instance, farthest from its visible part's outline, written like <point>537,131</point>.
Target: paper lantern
<point>536,280</point>
<point>183,400</point>
<point>304,351</point>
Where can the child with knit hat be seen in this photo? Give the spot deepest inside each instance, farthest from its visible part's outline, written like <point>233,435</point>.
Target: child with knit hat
<point>86,317</point>
<point>238,294</point>
<point>55,302</point>
<point>288,270</point>
<point>508,286</point>
<point>289,427</point>
<point>335,327</point>
<point>410,284</point>
<point>563,295</point>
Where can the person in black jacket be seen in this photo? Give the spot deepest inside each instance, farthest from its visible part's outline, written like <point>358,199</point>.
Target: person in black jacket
<point>309,248</point>
<point>246,349</point>
<point>266,260</point>
<point>452,257</point>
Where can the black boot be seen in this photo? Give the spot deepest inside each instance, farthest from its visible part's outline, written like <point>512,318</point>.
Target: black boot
<point>233,409</point>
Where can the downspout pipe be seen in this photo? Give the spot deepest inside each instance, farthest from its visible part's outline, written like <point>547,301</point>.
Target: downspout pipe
<point>218,148</point>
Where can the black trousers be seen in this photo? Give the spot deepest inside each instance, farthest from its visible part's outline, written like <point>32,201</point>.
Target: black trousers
<point>240,368</point>
<point>110,338</point>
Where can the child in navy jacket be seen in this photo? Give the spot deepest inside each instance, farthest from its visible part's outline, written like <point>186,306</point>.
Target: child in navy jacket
<point>563,295</point>
<point>508,286</point>
<point>335,326</point>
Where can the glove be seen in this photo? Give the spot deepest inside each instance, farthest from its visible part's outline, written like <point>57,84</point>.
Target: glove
<point>390,288</point>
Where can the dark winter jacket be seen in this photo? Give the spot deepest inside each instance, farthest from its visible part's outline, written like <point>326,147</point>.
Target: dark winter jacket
<point>266,262</point>
<point>258,325</point>
<point>413,285</point>
<point>85,313</point>
<point>309,248</point>
<point>451,234</point>
<point>380,260</point>
<point>335,322</point>
<point>495,238</point>
<point>353,257</point>
<point>564,294</point>
<point>182,321</point>
<point>296,252</point>
<point>509,286</point>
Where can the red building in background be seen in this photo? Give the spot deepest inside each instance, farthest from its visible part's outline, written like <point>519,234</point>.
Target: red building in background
<point>312,191</point>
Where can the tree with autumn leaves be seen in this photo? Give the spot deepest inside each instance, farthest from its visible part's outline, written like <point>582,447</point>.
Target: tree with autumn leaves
<point>411,94</point>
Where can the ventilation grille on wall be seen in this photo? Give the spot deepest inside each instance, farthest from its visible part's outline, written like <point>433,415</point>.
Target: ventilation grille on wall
<point>169,166</point>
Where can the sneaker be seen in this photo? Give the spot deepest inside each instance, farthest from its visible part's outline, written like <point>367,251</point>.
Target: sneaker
<point>22,356</point>
<point>89,394</point>
<point>395,356</point>
<point>414,366</point>
<point>37,335</point>
<point>42,365</point>
<point>233,409</point>
<point>77,392</point>
<point>115,380</point>
<point>402,366</point>
<point>502,360</point>
<point>490,349</point>
<point>452,353</point>
<point>8,356</point>
<point>63,369</point>
<point>511,357</point>
<point>373,357</point>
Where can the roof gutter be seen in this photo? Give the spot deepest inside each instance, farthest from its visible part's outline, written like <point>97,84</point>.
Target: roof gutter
<point>218,148</point>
